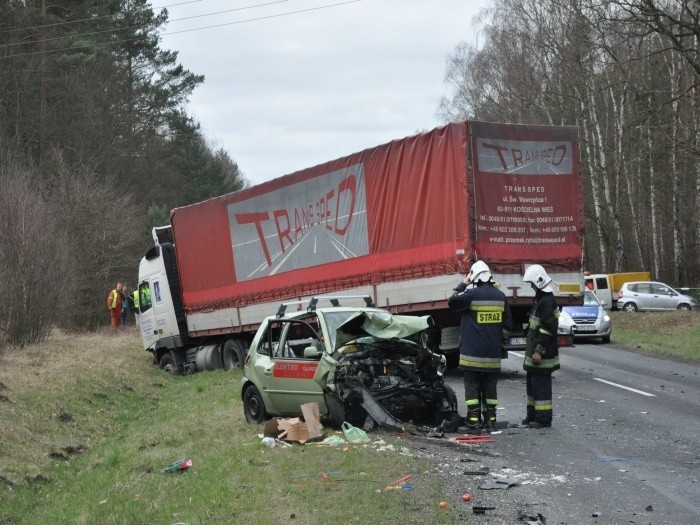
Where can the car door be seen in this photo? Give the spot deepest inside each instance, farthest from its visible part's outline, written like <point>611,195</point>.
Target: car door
<point>664,297</point>
<point>286,376</point>
<point>642,296</point>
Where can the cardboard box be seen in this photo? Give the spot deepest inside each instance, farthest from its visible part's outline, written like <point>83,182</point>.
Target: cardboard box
<point>294,429</point>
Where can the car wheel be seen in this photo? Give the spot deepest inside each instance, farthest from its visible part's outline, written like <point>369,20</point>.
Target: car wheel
<point>605,339</point>
<point>336,410</point>
<point>629,307</point>
<point>167,363</point>
<point>254,406</point>
<point>234,354</point>
<point>684,306</point>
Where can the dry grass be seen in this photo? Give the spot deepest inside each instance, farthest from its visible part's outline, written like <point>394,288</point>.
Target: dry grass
<point>87,424</point>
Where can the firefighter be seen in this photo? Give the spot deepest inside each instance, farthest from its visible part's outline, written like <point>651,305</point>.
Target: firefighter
<point>542,348</point>
<point>486,321</point>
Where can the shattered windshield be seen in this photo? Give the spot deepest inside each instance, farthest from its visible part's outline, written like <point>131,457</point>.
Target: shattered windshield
<point>333,321</point>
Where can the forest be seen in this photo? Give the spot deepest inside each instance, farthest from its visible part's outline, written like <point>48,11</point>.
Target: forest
<point>96,145</point>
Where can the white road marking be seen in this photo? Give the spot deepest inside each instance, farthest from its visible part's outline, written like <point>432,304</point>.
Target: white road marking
<point>625,387</point>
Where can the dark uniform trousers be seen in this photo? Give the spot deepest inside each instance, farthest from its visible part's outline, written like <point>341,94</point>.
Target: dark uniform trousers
<point>539,397</point>
<point>484,384</point>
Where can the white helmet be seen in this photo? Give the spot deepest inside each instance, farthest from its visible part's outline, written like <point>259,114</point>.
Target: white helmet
<point>537,275</point>
<point>479,272</point>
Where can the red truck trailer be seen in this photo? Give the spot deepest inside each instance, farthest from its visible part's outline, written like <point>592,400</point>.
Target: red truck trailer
<point>401,222</point>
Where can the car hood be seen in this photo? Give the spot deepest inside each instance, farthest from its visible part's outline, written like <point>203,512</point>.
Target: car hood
<point>582,312</point>
<point>381,325</point>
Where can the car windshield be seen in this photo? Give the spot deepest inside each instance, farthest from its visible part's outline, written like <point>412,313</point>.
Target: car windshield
<point>589,299</point>
<point>333,321</point>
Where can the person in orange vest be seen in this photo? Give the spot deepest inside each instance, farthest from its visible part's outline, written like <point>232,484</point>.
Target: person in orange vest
<point>114,305</point>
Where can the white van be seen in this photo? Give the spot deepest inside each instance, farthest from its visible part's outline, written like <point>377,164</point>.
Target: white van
<point>599,284</point>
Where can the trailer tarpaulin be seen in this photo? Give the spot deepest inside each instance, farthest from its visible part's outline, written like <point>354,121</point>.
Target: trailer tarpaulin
<point>418,207</point>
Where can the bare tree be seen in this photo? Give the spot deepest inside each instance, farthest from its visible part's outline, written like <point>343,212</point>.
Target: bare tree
<point>33,257</point>
<point>624,71</point>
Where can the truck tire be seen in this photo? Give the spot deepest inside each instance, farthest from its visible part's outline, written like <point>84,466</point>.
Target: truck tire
<point>167,363</point>
<point>254,406</point>
<point>233,357</point>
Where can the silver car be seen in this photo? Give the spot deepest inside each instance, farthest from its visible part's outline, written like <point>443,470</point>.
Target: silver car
<point>653,296</point>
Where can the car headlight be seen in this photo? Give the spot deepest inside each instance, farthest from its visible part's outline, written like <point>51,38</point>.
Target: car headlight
<point>606,318</point>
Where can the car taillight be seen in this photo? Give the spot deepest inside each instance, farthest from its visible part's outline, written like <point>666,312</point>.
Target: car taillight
<point>619,294</point>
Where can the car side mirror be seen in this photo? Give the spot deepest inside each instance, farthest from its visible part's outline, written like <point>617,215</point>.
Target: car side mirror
<point>603,302</point>
<point>311,352</point>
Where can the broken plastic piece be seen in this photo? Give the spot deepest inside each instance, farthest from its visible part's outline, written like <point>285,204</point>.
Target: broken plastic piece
<point>473,439</point>
<point>178,466</point>
<point>500,483</point>
<point>481,510</point>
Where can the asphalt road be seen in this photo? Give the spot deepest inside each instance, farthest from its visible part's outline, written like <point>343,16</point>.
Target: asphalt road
<point>624,446</point>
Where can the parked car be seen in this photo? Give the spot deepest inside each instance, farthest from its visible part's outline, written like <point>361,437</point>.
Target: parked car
<point>587,321</point>
<point>653,296</point>
<point>354,362</point>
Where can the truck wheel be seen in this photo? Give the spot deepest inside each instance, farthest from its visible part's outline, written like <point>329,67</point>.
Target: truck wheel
<point>254,406</point>
<point>167,363</point>
<point>234,353</point>
<point>336,410</point>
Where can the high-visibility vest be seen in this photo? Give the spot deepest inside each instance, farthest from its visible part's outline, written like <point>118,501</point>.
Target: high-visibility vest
<point>114,298</point>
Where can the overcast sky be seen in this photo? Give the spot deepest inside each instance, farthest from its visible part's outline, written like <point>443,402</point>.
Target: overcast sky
<point>295,83</point>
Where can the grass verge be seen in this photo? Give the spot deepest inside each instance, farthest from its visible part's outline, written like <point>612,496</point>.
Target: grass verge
<point>670,334</point>
<point>89,423</point>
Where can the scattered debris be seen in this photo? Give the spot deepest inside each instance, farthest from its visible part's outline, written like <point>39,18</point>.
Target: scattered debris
<point>178,466</point>
<point>649,509</point>
<point>499,482</point>
<point>481,510</point>
<point>333,440</point>
<point>473,439</point>
<point>66,417</point>
<point>532,520</point>
<point>294,429</point>
<point>354,434</point>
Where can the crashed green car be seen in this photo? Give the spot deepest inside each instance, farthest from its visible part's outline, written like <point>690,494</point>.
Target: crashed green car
<point>362,365</point>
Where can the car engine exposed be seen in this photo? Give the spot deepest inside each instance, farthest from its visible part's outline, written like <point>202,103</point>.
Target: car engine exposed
<point>405,378</point>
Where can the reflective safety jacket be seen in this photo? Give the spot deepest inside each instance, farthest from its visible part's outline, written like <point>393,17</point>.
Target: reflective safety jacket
<point>542,330</point>
<point>114,301</point>
<point>486,321</point>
